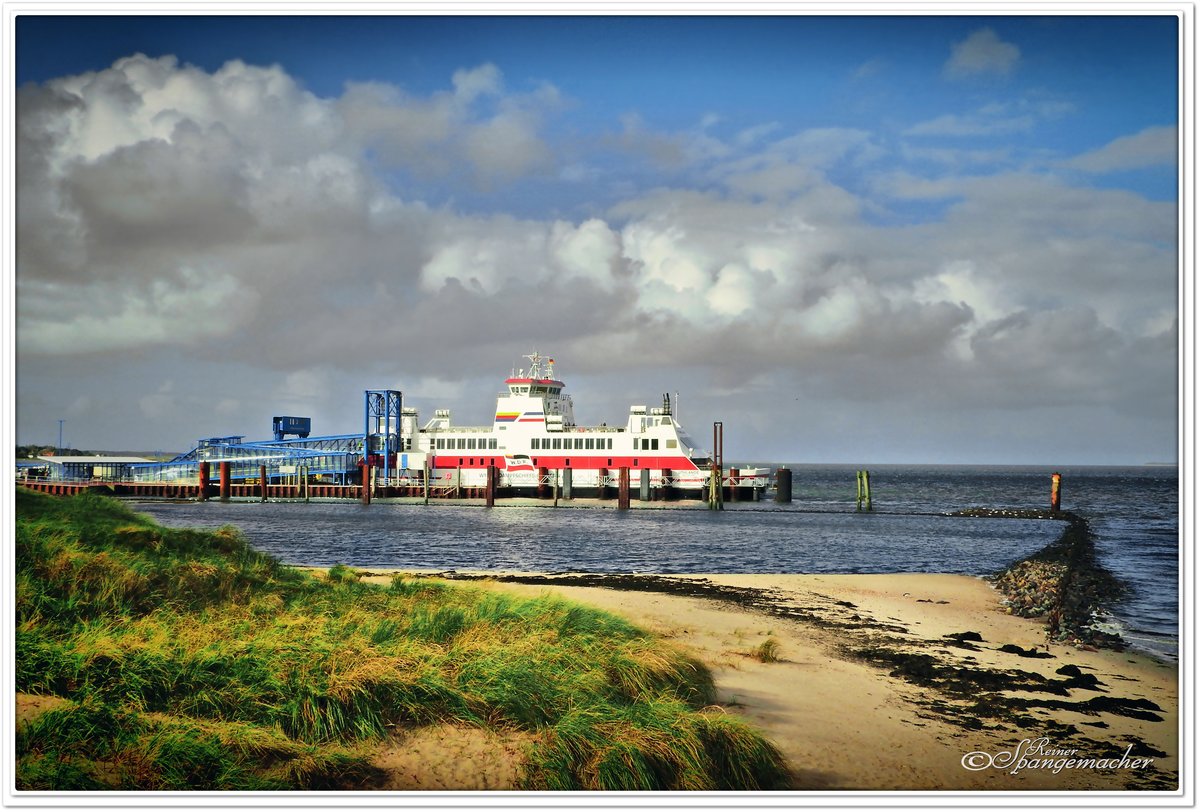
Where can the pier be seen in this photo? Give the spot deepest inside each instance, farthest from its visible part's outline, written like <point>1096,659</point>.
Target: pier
<point>551,487</point>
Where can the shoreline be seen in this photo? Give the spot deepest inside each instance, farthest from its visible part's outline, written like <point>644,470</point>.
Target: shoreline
<point>887,682</point>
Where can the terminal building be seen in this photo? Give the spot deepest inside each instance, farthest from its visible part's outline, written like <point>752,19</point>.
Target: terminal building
<point>90,467</point>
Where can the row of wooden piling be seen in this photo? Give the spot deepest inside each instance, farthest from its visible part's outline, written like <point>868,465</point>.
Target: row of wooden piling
<point>302,489</point>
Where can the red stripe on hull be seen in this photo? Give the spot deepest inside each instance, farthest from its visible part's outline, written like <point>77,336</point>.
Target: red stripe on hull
<point>574,463</point>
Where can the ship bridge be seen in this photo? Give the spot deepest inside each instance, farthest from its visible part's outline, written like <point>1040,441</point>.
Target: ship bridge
<point>534,396</point>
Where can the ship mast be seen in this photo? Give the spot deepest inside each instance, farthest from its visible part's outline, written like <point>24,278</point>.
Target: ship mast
<point>535,365</point>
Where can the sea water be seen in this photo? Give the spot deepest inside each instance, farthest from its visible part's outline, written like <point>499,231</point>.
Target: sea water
<point>1134,513</point>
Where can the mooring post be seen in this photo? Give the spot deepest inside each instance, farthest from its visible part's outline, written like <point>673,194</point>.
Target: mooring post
<point>490,495</point>
<point>783,485</point>
<point>567,483</point>
<point>623,489</point>
<point>867,487</point>
<point>602,484</point>
<point>1055,492</point>
<point>858,499</point>
<point>716,496</point>
<point>425,479</point>
<point>224,474</point>
<point>202,482</point>
<point>644,486</point>
<point>366,482</point>
<point>262,481</point>
<point>543,486</point>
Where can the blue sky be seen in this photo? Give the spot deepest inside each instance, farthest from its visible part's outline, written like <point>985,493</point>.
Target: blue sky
<point>775,213</point>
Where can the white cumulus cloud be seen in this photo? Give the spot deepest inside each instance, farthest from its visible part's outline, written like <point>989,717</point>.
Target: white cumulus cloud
<point>982,52</point>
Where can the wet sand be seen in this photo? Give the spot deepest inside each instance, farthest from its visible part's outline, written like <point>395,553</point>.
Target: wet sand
<point>890,682</point>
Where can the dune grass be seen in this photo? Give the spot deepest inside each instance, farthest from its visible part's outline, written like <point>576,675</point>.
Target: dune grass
<point>193,662</point>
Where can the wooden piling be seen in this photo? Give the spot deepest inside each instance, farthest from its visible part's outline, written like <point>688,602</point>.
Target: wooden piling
<point>716,492</point>
<point>863,479</point>
<point>783,485</point>
<point>644,486</point>
<point>202,482</point>
<point>224,474</point>
<point>623,489</point>
<point>366,483</point>
<point>602,484</point>
<point>543,486</point>
<point>666,491</point>
<point>262,481</point>
<point>1055,492</point>
<point>567,483</point>
<point>490,495</point>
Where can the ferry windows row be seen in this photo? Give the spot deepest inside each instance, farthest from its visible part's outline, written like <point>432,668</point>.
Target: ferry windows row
<point>646,445</point>
<point>451,443</point>
<point>569,443</point>
<point>535,390</point>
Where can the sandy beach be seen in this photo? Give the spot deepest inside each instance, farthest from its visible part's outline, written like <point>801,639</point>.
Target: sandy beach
<point>877,682</point>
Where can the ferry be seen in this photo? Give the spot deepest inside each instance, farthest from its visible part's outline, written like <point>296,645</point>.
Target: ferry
<point>534,442</point>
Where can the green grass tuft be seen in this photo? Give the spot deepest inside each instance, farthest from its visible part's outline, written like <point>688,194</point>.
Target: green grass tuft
<point>193,662</point>
<point>768,651</point>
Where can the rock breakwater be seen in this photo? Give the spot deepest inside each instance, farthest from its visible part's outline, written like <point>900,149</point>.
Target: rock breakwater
<point>1065,584</point>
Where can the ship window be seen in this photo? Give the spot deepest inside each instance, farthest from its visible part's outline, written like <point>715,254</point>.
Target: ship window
<point>535,443</point>
<point>568,462</point>
<point>558,443</point>
<point>635,462</point>
<point>590,444</point>
<point>492,443</point>
<point>441,444</point>
<point>654,444</point>
<point>579,443</point>
<point>471,442</point>
<point>610,444</point>
<point>672,444</point>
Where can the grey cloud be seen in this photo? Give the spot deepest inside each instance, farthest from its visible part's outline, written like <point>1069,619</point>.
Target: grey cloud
<point>1154,146</point>
<point>434,136</point>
